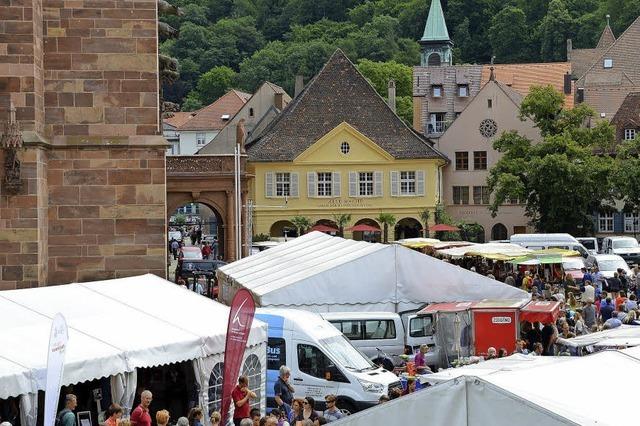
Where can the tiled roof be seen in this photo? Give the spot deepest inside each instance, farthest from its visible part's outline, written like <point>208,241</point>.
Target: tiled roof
<point>210,117</point>
<point>606,38</point>
<point>512,94</point>
<point>338,93</point>
<point>629,112</point>
<point>582,59</point>
<point>179,118</point>
<point>521,77</point>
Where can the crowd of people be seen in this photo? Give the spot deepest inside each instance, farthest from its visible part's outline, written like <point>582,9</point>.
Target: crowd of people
<point>209,250</point>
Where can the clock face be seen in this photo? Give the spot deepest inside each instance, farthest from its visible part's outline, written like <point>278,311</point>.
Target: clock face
<point>488,128</point>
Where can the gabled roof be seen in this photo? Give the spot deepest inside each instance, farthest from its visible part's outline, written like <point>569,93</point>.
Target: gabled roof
<point>582,59</point>
<point>338,93</point>
<point>436,27</point>
<point>210,117</point>
<point>629,112</point>
<point>179,118</point>
<point>606,38</point>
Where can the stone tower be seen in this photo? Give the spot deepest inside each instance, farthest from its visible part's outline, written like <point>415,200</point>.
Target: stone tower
<point>435,42</point>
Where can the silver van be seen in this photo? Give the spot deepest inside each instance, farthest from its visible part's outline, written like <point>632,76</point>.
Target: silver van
<point>546,241</point>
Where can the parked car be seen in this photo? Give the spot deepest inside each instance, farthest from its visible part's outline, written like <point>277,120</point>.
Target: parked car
<point>573,266</point>
<point>608,263</point>
<point>590,243</point>
<point>625,247</point>
<point>192,253</point>
<point>191,268</point>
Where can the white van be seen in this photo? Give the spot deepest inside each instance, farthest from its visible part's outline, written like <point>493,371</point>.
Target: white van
<point>546,241</point>
<point>370,331</point>
<point>590,243</point>
<point>322,361</point>
<point>625,247</point>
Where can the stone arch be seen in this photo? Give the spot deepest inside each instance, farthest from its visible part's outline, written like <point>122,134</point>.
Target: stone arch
<point>408,227</point>
<point>499,232</point>
<point>434,59</point>
<point>177,200</point>
<point>278,229</point>
<point>373,237</point>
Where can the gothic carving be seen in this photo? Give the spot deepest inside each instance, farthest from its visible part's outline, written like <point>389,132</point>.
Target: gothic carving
<point>200,164</point>
<point>11,142</point>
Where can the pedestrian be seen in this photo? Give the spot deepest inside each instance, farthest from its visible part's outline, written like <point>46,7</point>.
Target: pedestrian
<point>206,250</point>
<point>296,409</point>
<point>526,281</point>
<point>113,415</point>
<point>411,386</point>
<point>492,353</point>
<point>195,416</point>
<point>241,395</point>
<point>537,349</point>
<point>182,421</point>
<point>332,413</point>
<point>255,415</point>
<point>140,415</point>
<point>612,322</point>
<point>510,280</point>
<point>383,398</point>
<point>580,326</point>
<point>215,418</point>
<point>199,235</point>
<point>162,418</point>
<point>214,247</point>
<point>283,390</point>
<point>631,303</point>
<point>245,422</point>
<point>66,416</point>
<point>606,309</point>
<point>280,417</point>
<point>175,245</point>
<point>420,360</point>
<point>308,410</point>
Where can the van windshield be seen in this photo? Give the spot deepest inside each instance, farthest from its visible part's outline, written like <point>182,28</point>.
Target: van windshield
<point>589,244</point>
<point>630,243</point>
<point>345,354</point>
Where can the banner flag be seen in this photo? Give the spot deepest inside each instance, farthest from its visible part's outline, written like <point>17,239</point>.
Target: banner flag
<point>240,318</point>
<point>55,367</point>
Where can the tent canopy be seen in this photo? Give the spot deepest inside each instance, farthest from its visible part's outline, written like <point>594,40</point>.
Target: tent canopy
<point>625,335</point>
<point>542,311</point>
<point>323,273</point>
<point>495,251</point>
<point>114,326</point>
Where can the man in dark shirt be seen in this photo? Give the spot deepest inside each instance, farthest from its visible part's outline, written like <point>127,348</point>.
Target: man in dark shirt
<point>606,309</point>
<point>614,283</point>
<point>283,391</point>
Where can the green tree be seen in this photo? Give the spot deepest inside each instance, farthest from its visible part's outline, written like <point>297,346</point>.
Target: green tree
<point>192,102</point>
<point>555,28</point>
<point>509,35</point>
<point>626,175</point>
<point>387,220</point>
<point>180,219</point>
<point>341,220</point>
<point>301,223</point>
<point>379,74</point>
<point>560,179</point>
<point>471,231</point>
<point>215,83</point>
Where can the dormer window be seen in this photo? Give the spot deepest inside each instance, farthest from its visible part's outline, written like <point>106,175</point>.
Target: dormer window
<point>463,90</point>
<point>629,134</point>
<point>608,63</point>
<point>436,91</point>
<point>250,112</point>
<point>225,117</point>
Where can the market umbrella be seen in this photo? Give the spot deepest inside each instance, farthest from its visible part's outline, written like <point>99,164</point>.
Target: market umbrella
<point>323,228</point>
<point>443,227</point>
<point>363,227</point>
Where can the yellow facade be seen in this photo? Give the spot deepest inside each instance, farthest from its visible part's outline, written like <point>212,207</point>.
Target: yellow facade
<point>362,179</point>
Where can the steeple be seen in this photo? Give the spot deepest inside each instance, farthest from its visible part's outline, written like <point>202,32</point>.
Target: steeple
<point>606,38</point>
<point>435,42</point>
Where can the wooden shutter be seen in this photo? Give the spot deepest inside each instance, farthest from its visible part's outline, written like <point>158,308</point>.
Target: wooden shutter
<point>294,185</point>
<point>353,184</point>
<point>420,183</point>
<point>377,184</point>
<point>395,184</point>
<point>269,185</point>
<point>335,182</point>
<point>311,185</point>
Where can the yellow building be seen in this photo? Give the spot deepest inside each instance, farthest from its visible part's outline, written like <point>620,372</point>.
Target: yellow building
<point>338,148</point>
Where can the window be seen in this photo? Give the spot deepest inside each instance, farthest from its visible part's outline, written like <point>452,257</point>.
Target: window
<point>436,91</point>
<point>351,329</point>
<point>631,222</point>
<point>460,195</point>
<point>436,123</point>
<point>276,353</point>
<point>463,90</point>
<point>215,387</point>
<point>605,222</point>
<point>513,201</point>
<point>324,184</point>
<point>313,361</point>
<point>480,195</point>
<point>283,184</point>
<point>201,139</point>
<point>379,329</point>
<point>462,161</point>
<point>408,183</point>
<point>489,103</point>
<point>345,148</point>
<point>250,112</point>
<point>629,134</point>
<point>479,160</point>
<point>608,63</point>
<point>365,184</point>
<point>421,326</point>
<point>253,370</point>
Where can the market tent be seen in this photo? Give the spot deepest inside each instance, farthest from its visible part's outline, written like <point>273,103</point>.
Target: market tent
<point>543,311</point>
<point>321,273</point>
<point>115,326</point>
<point>625,335</point>
<point>495,251</point>
<point>418,242</point>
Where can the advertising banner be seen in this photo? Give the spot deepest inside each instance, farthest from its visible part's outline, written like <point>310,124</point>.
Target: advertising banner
<point>55,367</point>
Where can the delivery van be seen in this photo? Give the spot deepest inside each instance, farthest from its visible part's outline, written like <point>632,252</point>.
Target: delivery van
<point>322,361</point>
<point>547,241</point>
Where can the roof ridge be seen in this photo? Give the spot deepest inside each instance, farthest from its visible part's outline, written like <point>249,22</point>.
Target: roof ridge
<point>602,40</point>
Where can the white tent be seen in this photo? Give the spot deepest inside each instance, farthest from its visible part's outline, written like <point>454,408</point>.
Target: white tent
<point>623,336</point>
<point>549,392</point>
<point>115,327</point>
<point>322,273</point>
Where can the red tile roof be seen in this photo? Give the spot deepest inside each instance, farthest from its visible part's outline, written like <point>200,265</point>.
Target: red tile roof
<point>210,117</point>
<point>178,118</point>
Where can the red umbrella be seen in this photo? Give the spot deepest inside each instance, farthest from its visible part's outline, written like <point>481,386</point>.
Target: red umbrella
<point>363,227</point>
<point>443,227</point>
<point>323,228</point>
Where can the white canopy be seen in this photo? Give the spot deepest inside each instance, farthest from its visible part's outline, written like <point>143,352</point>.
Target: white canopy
<point>322,273</point>
<point>115,326</point>
<point>486,249</point>
<point>625,335</point>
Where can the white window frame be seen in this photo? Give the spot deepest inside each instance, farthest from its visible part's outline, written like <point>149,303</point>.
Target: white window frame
<point>629,134</point>
<point>407,180</point>
<point>631,220</point>
<point>201,139</point>
<point>324,184</point>
<point>464,87</point>
<point>366,182</point>
<point>440,89</point>
<point>605,222</point>
<point>607,63</point>
<point>282,184</point>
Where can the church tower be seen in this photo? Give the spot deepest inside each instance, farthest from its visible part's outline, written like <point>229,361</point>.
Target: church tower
<point>435,42</point>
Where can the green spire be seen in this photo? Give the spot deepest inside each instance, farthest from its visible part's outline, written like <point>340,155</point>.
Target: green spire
<point>436,27</point>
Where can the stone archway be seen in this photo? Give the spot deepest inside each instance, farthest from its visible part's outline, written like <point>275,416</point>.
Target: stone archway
<point>499,232</point>
<point>209,226</point>
<point>408,227</point>
<point>372,237</point>
<point>283,229</point>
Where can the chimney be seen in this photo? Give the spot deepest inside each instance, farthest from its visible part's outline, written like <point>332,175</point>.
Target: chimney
<point>392,95</point>
<point>299,85</point>
<point>240,135</point>
<point>278,101</point>
<point>569,49</point>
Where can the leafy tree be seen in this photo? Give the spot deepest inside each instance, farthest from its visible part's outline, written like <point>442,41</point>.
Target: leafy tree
<point>387,220</point>
<point>215,83</point>
<point>192,102</point>
<point>560,179</point>
<point>341,220</point>
<point>509,35</point>
<point>301,223</point>
<point>626,177</point>
<point>325,30</point>
<point>462,51</point>
<point>556,27</point>
<point>379,74</point>
<point>260,237</point>
<point>404,109</point>
<point>471,231</point>
<point>180,219</point>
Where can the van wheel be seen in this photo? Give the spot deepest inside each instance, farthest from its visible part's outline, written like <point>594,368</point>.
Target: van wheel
<point>347,407</point>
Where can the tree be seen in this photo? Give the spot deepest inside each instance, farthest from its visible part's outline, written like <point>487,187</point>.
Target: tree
<point>387,220</point>
<point>192,102</point>
<point>626,176</point>
<point>215,83</point>
<point>180,219</point>
<point>556,27</point>
<point>425,216</point>
<point>471,231</point>
<point>341,220</point>
<point>509,35</point>
<point>560,179</point>
<point>301,223</point>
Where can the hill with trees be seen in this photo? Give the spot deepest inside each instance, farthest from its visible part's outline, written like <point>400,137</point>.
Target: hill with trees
<point>225,44</point>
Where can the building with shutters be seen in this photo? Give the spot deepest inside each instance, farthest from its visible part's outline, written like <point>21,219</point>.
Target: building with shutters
<point>338,148</point>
